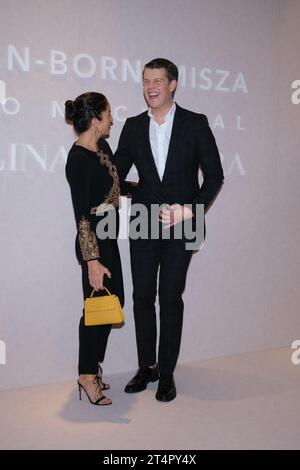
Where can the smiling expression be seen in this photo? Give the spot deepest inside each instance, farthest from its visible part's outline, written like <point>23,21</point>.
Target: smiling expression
<point>158,90</point>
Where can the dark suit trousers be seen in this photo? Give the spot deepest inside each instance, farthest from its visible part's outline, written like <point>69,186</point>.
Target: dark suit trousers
<point>172,261</point>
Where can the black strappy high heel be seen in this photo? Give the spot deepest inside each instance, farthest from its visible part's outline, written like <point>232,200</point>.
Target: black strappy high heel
<point>99,400</point>
<point>104,386</point>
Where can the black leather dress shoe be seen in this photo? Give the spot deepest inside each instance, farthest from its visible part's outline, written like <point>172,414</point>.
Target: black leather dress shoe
<point>141,379</point>
<point>166,389</point>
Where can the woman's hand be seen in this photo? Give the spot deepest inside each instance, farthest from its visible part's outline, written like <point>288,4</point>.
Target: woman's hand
<point>96,274</point>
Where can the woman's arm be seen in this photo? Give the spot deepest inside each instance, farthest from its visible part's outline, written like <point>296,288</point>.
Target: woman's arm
<point>78,176</point>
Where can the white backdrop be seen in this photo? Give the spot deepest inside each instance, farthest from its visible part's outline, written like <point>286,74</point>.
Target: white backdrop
<point>238,59</point>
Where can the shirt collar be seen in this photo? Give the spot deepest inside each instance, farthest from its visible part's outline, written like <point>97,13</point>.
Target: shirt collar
<point>168,116</point>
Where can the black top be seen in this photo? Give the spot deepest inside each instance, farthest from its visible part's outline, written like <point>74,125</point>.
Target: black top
<point>94,182</point>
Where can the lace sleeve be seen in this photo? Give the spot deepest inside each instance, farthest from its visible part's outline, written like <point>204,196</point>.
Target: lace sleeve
<point>87,241</point>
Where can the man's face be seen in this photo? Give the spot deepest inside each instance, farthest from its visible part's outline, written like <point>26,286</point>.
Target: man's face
<point>157,88</point>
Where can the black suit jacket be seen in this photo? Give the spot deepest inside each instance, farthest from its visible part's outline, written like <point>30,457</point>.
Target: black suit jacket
<point>192,147</point>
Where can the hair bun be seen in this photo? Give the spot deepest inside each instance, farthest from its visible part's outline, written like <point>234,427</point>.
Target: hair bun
<point>70,110</point>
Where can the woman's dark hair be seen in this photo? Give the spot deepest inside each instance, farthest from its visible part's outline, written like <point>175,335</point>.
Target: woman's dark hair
<point>81,111</point>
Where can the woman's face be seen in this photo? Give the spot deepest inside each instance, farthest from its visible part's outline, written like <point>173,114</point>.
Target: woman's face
<point>105,123</point>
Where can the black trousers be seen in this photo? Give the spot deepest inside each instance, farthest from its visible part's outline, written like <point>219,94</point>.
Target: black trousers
<point>93,339</point>
<point>172,261</point>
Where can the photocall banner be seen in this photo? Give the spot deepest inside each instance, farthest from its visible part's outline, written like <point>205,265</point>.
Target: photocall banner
<point>239,65</point>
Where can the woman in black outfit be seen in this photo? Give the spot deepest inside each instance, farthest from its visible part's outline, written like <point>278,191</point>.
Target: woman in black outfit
<point>95,190</point>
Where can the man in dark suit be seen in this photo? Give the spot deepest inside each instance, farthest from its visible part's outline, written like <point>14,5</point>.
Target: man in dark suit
<point>168,145</point>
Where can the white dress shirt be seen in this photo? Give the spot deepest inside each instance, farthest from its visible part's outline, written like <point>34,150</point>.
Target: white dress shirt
<point>160,135</point>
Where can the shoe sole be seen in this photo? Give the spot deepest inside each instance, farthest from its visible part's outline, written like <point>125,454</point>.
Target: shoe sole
<point>165,400</point>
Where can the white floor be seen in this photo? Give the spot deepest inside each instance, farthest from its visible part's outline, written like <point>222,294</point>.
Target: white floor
<point>249,401</point>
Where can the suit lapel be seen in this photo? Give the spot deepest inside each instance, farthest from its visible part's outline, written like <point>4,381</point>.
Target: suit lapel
<point>147,147</point>
<point>175,138</point>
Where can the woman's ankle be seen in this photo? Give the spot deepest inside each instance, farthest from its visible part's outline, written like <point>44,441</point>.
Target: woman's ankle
<point>87,377</point>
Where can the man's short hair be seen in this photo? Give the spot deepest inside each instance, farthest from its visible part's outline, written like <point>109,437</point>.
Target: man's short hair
<point>171,69</point>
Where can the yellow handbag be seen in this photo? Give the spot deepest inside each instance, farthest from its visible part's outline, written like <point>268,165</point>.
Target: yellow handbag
<point>103,310</point>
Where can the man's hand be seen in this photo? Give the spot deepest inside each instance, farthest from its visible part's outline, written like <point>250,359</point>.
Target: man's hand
<point>96,274</point>
<point>174,214</point>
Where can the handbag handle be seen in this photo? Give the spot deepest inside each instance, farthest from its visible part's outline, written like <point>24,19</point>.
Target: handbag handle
<point>94,290</point>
